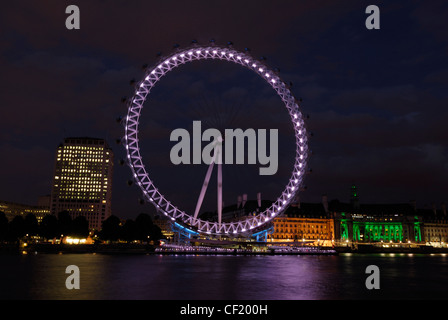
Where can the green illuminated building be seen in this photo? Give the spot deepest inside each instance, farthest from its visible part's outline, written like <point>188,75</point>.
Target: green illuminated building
<point>377,223</point>
<point>371,223</point>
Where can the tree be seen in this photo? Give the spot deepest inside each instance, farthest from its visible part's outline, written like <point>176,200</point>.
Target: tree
<point>3,226</point>
<point>16,228</point>
<point>111,229</point>
<point>129,230</point>
<point>80,227</point>
<point>65,223</point>
<point>31,226</point>
<point>49,227</point>
<point>144,227</point>
<point>156,233</point>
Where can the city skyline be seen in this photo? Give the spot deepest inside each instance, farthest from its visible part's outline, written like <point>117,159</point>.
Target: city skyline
<point>375,97</point>
<point>217,157</point>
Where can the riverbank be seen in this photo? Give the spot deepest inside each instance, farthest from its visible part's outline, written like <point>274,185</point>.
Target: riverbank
<point>119,248</point>
<point>367,248</point>
<point>229,251</point>
<point>128,248</point>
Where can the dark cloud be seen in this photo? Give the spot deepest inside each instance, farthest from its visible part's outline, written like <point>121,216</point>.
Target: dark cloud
<point>376,99</point>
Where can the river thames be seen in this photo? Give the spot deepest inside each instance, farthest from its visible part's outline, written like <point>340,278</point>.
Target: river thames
<point>223,277</point>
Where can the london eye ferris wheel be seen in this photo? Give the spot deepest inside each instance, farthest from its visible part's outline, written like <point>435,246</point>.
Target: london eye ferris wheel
<point>150,192</point>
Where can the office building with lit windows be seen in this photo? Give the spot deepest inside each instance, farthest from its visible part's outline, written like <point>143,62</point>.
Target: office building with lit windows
<point>82,180</point>
<point>12,209</point>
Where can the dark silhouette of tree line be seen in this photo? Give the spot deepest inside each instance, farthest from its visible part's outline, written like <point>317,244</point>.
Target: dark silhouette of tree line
<point>142,229</point>
<point>51,227</point>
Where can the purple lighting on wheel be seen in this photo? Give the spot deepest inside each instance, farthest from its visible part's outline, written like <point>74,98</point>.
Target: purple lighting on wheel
<point>141,176</point>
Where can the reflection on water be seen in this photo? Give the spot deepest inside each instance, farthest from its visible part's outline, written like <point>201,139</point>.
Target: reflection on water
<point>403,276</point>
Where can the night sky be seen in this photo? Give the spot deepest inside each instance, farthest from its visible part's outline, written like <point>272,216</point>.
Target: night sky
<point>376,99</point>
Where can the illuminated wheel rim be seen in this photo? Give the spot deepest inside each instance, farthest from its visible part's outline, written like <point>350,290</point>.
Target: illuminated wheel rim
<point>141,176</point>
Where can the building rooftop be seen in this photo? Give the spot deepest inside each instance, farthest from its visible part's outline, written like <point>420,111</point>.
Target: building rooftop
<point>377,209</point>
<point>304,209</point>
<point>86,140</point>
